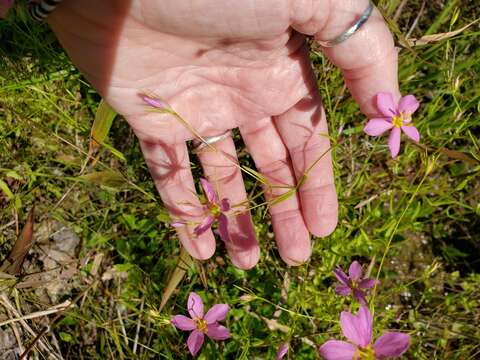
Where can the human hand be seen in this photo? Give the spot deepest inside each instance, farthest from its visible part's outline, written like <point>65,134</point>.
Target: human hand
<point>224,65</point>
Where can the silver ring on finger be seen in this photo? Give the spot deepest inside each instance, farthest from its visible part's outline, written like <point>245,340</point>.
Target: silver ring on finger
<point>208,141</point>
<point>351,31</point>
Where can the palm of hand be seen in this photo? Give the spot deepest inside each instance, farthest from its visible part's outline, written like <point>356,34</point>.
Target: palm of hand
<point>216,77</point>
<point>220,65</point>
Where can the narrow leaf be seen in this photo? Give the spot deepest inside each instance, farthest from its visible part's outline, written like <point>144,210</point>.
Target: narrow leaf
<point>101,125</point>
<point>109,178</point>
<point>255,174</point>
<point>6,190</point>
<point>14,262</point>
<point>185,262</point>
<point>114,151</point>
<point>454,154</point>
<point>427,39</point>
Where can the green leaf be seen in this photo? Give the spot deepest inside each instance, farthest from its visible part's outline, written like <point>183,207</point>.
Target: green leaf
<point>102,123</point>
<point>66,337</point>
<point>114,151</point>
<point>101,127</point>
<point>109,178</point>
<point>6,190</point>
<point>185,262</point>
<point>130,220</point>
<point>123,267</point>
<point>164,217</point>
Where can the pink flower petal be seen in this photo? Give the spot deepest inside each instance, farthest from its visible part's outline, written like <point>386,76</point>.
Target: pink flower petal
<point>195,306</point>
<point>337,350</point>
<point>209,191</point>
<point>156,103</point>
<point>391,344</point>
<point>360,296</point>
<point>223,228</point>
<point>386,105</point>
<point>394,142</point>
<point>367,283</point>
<point>195,342</point>
<point>225,205</point>
<point>216,313</point>
<point>204,226</point>
<point>282,351</point>
<point>357,328</point>
<point>183,323</point>
<point>341,276</point>
<point>377,127</point>
<point>412,132</point>
<point>408,104</point>
<point>343,290</point>
<point>355,271</point>
<point>177,224</point>
<point>217,332</point>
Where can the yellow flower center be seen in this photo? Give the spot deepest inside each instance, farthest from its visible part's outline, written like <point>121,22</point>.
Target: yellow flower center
<point>214,210</point>
<point>400,120</point>
<point>364,354</point>
<point>201,325</point>
<point>397,121</point>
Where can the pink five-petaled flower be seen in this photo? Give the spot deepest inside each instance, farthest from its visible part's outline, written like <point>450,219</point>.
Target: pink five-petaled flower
<point>397,118</point>
<point>282,351</point>
<point>200,324</point>
<point>358,330</point>
<point>216,210</point>
<point>354,282</point>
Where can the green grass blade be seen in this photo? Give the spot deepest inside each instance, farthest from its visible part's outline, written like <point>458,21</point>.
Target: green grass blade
<point>6,190</point>
<point>101,127</point>
<point>108,178</point>
<point>185,262</point>
<point>102,123</point>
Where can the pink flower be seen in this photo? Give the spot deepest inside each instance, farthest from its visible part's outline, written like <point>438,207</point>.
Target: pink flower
<point>358,330</point>
<point>282,351</point>
<point>5,5</point>
<point>216,210</point>
<point>397,118</point>
<point>354,282</point>
<point>200,324</point>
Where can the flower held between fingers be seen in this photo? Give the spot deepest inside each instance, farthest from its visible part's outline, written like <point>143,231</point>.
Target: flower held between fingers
<point>217,210</point>
<point>396,118</point>
<point>200,324</point>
